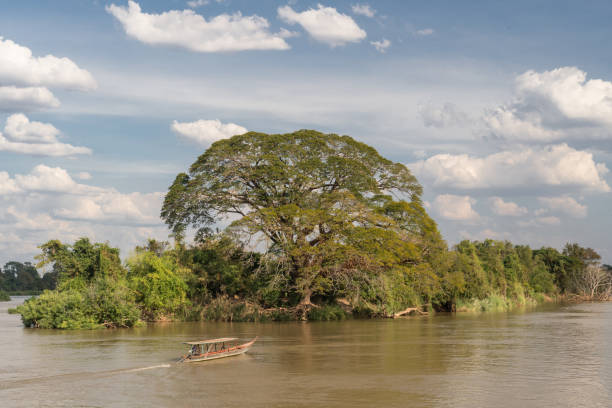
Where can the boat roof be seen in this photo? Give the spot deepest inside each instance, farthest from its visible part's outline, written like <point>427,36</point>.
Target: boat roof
<point>221,340</point>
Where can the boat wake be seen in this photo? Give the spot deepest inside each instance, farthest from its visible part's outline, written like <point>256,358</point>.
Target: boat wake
<point>133,370</point>
<point>86,374</point>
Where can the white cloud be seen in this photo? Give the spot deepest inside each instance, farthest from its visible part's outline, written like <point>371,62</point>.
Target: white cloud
<point>192,31</point>
<point>48,204</point>
<point>112,206</point>
<point>506,208</point>
<point>45,178</point>
<point>36,138</point>
<point>364,10</point>
<point>504,123</point>
<point>540,211</point>
<point>456,208</point>
<point>19,128</point>
<point>18,66</point>
<point>83,175</point>
<point>552,166</point>
<point>566,205</point>
<point>200,3</point>
<point>549,220</point>
<point>324,24</point>
<point>381,46</point>
<point>441,116</point>
<point>14,99</point>
<point>51,149</point>
<point>541,221</point>
<point>424,32</point>
<point>7,184</point>
<point>197,3</point>
<point>55,191</point>
<point>560,104</point>
<point>206,132</point>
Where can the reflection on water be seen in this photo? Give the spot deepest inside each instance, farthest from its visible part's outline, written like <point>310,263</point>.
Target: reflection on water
<point>557,356</point>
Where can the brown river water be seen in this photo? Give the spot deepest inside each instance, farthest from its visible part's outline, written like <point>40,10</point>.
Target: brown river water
<point>557,356</point>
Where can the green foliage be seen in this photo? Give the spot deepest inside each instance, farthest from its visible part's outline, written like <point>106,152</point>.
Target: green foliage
<point>158,287</point>
<point>333,223</point>
<point>225,310</point>
<point>327,312</point>
<point>93,291</point>
<point>81,262</point>
<point>4,297</point>
<point>58,310</point>
<point>542,280</point>
<point>17,277</point>
<point>323,202</point>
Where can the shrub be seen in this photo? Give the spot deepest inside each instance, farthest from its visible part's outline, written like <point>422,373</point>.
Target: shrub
<point>4,297</point>
<point>159,290</point>
<point>326,313</point>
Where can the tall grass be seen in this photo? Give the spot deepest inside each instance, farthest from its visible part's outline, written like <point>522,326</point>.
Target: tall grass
<point>496,303</point>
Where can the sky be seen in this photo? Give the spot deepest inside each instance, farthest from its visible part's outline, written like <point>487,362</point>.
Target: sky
<point>503,110</point>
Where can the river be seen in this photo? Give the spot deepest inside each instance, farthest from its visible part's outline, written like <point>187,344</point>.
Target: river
<point>556,356</point>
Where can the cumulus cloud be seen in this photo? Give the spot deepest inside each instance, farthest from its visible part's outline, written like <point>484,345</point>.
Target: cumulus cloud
<point>83,175</point>
<point>381,46</point>
<point>506,208</point>
<point>424,32</point>
<point>7,184</point>
<point>14,99</point>
<point>55,190</point>
<point>364,10</point>
<point>324,24</point>
<point>566,205</point>
<point>45,178</point>
<point>560,104</point>
<point>557,166</point>
<point>455,207</point>
<point>441,116</point>
<point>541,221</point>
<point>19,67</point>
<point>192,31</point>
<point>206,132</point>
<point>197,3</point>
<point>19,128</point>
<point>36,138</point>
<point>47,203</point>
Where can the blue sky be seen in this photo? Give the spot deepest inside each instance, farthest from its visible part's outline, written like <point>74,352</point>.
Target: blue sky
<point>502,109</point>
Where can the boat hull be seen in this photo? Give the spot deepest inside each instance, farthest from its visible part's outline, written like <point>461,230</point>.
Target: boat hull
<point>204,357</point>
<point>231,352</point>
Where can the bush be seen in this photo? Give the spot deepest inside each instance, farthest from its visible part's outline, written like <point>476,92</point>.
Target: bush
<point>103,304</point>
<point>4,297</point>
<point>58,310</point>
<point>326,313</point>
<point>225,310</point>
<point>158,288</point>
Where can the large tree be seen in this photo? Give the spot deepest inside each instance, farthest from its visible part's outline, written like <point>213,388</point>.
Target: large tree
<point>328,206</point>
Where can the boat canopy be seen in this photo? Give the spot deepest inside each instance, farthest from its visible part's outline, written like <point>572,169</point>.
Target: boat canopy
<point>211,341</point>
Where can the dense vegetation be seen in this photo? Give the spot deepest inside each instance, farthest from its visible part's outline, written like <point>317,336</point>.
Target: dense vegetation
<point>320,227</point>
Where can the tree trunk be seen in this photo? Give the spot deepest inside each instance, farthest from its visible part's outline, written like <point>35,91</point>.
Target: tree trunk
<point>306,298</point>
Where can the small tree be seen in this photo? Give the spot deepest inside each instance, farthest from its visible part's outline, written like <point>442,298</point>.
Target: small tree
<point>596,282</point>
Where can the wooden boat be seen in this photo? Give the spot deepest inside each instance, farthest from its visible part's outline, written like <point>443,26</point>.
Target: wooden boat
<point>212,349</point>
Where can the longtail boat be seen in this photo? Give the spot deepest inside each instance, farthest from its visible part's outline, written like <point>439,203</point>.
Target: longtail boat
<point>212,349</point>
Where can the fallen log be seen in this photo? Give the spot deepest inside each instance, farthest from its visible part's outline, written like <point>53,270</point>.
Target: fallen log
<point>408,311</point>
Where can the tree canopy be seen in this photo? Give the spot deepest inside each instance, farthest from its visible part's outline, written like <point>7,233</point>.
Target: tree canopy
<point>329,207</point>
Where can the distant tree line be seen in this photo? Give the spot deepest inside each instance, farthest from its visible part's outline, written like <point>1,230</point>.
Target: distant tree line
<point>17,277</point>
